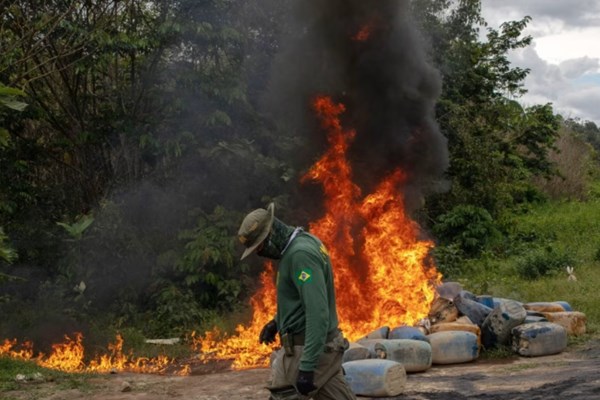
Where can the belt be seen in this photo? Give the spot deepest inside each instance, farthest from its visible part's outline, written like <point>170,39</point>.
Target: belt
<point>298,338</point>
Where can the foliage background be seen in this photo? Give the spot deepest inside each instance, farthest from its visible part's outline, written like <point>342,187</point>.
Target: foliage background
<point>134,137</point>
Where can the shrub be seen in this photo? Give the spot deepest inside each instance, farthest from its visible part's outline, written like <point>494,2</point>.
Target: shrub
<point>448,259</point>
<point>543,262</point>
<point>470,228</point>
<point>597,255</point>
<point>574,159</point>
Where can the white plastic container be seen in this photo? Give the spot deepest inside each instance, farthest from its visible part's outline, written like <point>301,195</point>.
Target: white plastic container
<point>496,328</point>
<point>370,345</point>
<point>453,347</point>
<point>355,352</point>
<point>375,378</point>
<point>539,339</point>
<point>414,355</point>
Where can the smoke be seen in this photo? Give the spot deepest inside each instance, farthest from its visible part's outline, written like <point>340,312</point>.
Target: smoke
<point>365,54</point>
<point>369,56</point>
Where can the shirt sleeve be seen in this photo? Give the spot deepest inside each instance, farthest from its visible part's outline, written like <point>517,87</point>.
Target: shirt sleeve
<point>310,282</point>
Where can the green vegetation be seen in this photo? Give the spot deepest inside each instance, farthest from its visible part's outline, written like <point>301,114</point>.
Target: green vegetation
<point>546,239</point>
<point>15,374</point>
<point>131,143</point>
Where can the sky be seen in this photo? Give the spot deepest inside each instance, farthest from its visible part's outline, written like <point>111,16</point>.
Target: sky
<point>564,57</point>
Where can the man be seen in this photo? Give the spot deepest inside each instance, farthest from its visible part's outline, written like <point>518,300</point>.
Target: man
<point>306,318</point>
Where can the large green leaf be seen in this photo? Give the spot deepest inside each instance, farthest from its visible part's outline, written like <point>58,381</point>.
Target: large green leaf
<point>13,103</point>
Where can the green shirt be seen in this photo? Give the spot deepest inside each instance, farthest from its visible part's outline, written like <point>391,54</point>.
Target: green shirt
<point>305,296</point>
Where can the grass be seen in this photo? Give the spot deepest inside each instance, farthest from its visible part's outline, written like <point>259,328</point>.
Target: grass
<point>31,373</point>
<point>562,228</point>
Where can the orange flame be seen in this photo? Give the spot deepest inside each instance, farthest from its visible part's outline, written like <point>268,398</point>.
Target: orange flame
<point>381,275</point>
<point>243,347</point>
<point>69,356</point>
<point>383,278</point>
<point>367,30</point>
<point>363,34</point>
<point>8,349</point>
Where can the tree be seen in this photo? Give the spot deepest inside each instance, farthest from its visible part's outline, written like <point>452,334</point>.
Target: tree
<point>495,145</point>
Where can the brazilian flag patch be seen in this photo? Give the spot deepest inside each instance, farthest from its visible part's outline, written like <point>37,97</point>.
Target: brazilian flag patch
<point>305,275</point>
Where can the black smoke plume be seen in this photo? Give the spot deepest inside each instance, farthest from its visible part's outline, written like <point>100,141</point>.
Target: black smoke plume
<point>369,56</point>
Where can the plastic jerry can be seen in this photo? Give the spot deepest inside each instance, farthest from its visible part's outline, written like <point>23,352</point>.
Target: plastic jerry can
<point>376,378</point>
<point>453,347</point>
<point>379,333</point>
<point>414,355</point>
<point>544,306</point>
<point>573,321</point>
<point>539,339</point>
<point>496,328</point>
<point>356,351</point>
<point>476,311</point>
<point>407,332</point>
<point>369,344</point>
<point>456,326</point>
<point>486,300</point>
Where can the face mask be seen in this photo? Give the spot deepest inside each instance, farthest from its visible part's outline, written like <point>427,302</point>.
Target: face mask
<point>275,242</point>
<point>269,249</point>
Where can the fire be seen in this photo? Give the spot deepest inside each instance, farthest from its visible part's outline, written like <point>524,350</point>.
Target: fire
<point>69,356</point>
<point>243,347</point>
<point>385,266</point>
<point>9,349</point>
<point>363,34</point>
<point>382,276</point>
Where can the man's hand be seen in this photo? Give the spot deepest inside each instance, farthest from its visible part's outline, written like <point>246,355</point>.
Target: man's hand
<point>305,383</point>
<point>268,332</point>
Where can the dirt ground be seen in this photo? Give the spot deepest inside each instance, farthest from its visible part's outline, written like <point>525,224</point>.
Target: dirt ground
<point>573,375</point>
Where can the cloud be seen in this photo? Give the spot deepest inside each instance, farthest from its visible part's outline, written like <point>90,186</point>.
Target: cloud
<point>563,58</point>
<point>584,102</point>
<point>572,86</point>
<point>576,67</point>
<point>572,13</point>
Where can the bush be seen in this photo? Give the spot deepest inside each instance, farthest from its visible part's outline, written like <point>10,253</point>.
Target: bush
<point>574,159</point>
<point>470,228</point>
<point>176,311</point>
<point>597,255</point>
<point>543,262</point>
<point>449,260</point>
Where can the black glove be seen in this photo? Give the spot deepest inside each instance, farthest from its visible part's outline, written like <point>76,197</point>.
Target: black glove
<point>268,332</point>
<point>305,383</point>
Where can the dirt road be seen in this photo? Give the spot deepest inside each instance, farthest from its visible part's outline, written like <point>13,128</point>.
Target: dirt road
<point>571,375</point>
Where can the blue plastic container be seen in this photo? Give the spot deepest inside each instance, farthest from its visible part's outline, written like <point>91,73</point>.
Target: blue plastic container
<point>370,344</point>
<point>356,351</point>
<point>379,333</point>
<point>476,311</point>
<point>414,355</point>
<point>453,347</point>
<point>565,305</point>
<point>486,300</point>
<point>499,300</point>
<point>539,339</point>
<point>375,378</point>
<point>496,328</point>
<point>407,332</point>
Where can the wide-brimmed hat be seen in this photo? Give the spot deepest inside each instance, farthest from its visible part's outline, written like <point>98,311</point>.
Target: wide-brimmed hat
<point>255,228</point>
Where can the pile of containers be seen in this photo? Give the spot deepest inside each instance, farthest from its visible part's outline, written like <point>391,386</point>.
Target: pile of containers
<point>459,326</point>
